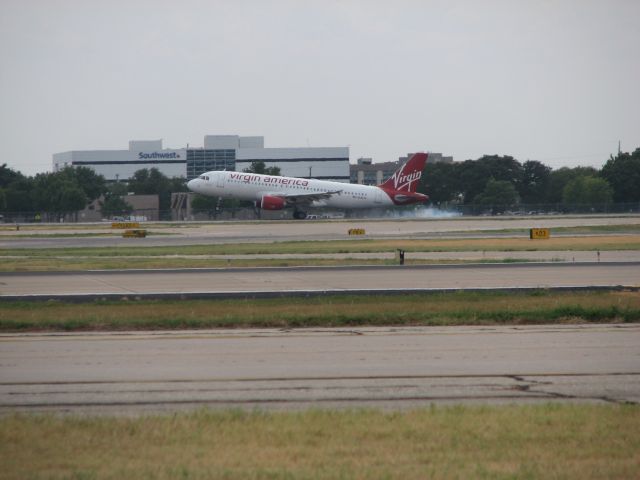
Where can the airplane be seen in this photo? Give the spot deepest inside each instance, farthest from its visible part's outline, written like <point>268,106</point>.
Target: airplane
<point>271,192</point>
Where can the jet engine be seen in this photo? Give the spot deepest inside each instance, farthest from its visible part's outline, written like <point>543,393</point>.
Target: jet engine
<point>269,202</point>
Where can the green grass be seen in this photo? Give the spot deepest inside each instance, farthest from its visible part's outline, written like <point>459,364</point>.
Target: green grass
<point>456,308</point>
<point>542,441</point>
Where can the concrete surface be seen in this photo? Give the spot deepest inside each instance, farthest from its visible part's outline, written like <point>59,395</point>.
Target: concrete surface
<point>536,275</point>
<point>141,372</point>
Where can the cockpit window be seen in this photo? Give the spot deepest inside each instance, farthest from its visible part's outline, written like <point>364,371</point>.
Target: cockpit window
<point>203,177</point>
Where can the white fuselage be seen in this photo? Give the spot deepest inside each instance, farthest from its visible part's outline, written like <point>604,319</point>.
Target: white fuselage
<point>253,187</point>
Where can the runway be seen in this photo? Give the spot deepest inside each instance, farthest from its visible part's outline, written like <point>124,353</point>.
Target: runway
<point>320,279</point>
<point>142,372</point>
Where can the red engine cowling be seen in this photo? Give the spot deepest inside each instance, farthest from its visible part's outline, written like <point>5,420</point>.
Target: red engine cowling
<point>270,202</point>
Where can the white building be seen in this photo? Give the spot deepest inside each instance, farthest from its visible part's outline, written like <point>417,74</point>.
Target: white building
<point>220,152</point>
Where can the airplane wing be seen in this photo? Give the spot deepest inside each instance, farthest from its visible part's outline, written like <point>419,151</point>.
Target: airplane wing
<point>308,198</point>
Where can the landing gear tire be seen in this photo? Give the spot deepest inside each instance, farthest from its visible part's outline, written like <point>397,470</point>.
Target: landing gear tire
<point>298,215</point>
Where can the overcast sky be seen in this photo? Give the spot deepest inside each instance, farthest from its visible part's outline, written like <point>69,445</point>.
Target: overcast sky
<point>555,81</point>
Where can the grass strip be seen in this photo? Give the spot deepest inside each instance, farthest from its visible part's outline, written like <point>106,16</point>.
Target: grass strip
<point>539,441</point>
<point>613,242</point>
<point>622,228</point>
<point>576,230</point>
<point>455,308</point>
<point>122,263</point>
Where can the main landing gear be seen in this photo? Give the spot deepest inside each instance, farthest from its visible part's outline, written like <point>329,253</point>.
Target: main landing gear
<point>298,215</point>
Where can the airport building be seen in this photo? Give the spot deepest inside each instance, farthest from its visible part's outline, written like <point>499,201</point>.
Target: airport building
<point>219,152</point>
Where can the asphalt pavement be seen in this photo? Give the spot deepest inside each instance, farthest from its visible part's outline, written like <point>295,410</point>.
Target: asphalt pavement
<point>319,279</point>
<point>143,372</point>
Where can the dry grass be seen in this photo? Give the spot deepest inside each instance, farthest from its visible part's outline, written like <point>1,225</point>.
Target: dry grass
<point>609,242</point>
<point>459,308</point>
<point>61,259</point>
<point>547,441</point>
<point>612,242</point>
<point>154,262</point>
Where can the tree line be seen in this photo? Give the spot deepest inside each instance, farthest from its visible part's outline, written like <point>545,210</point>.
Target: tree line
<point>53,195</point>
<point>492,182</point>
<point>495,183</point>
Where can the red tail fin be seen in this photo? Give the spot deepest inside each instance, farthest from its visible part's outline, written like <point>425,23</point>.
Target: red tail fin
<point>407,177</point>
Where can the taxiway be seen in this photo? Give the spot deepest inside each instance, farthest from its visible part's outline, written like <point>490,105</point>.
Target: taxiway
<point>319,279</point>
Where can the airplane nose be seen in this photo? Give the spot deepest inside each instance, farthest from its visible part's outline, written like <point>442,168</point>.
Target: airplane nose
<point>191,184</point>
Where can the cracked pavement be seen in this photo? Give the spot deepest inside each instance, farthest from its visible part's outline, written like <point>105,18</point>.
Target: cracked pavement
<point>391,368</point>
